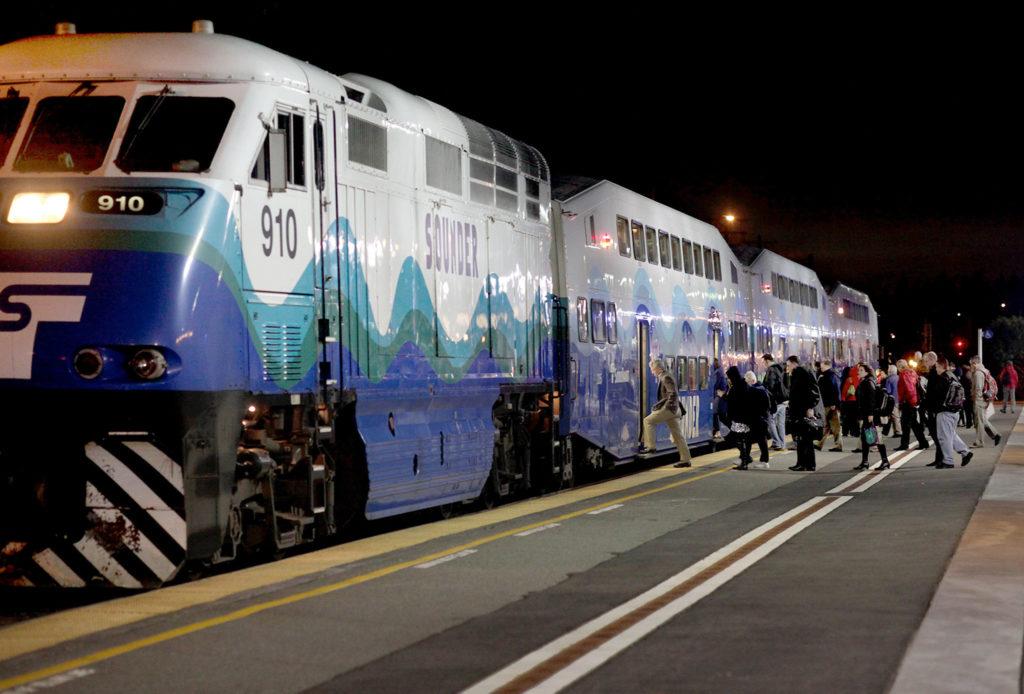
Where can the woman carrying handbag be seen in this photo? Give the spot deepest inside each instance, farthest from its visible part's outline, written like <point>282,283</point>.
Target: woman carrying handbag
<point>867,413</point>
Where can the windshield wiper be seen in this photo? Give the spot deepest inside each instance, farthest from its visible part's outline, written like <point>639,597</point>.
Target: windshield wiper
<point>143,124</point>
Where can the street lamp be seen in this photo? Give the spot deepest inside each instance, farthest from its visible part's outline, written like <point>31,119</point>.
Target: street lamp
<point>730,218</point>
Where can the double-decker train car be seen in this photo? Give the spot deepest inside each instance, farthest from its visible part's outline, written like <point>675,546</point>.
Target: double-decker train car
<point>643,280</point>
<point>854,326</point>
<point>245,302</point>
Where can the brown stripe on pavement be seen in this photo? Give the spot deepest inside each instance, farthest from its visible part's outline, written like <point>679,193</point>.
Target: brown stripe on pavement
<point>570,654</point>
<point>855,483</point>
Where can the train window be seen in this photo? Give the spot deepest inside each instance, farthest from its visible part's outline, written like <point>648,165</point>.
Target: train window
<point>775,285</point>
<point>590,231</point>
<point>735,275</point>
<point>698,259</point>
<point>677,257</point>
<point>794,291</point>
<point>12,109</point>
<point>70,133</point>
<point>532,199</point>
<point>681,382</point>
<point>663,249</point>
<point>318,155</point>
<point>294,124</point>
<point>622,229</point>
<point>532,188</point>
<point>613,324</point>
<point>444,166</point>
<point>703,372</point>
<point>691,373</point>
<point>687,257</point>
<point>652,246</point>
<point>582,319</point>
<point>506,179</point>
<point>670,366</point>
<point>717,257</point>
<point>367,143</point>
<point>597,321</point>
<point>709,268</point>
<point>174,133</point>
<point>639,247</point>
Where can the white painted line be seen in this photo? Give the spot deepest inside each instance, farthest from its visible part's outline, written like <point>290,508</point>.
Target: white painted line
<point>875,479</point>
<point>531,531</point>
<point>844,487</point>
<point>602,653</point>
<point>51,682</point>
<point>448,558</point>
<point>605,509</point>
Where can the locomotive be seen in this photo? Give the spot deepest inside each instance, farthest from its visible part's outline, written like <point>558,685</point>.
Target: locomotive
<point>245,303</point>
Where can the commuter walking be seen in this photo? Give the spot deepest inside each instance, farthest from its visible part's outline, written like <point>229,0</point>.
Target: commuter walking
<point>892,381</point>
<point>1008,380</point>
<point>908,399</point>
<point>967,381</point>
<point>803,398</point>
<point>848,398</point>
<point>737,415</point>
<point>775,383</point>
<point>758,407</point>
<point>947,396</point>
<point>868,411</point>
<point>932,404</point>
<point>828,387</point>
<point>666,410</point>
<point>979,378</point>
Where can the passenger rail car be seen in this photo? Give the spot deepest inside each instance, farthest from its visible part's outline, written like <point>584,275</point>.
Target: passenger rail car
<point>245,302</point>
<point>854,326</point>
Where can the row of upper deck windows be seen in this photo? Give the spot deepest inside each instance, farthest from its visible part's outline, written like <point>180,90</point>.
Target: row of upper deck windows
<point>855,311</point>
<point>797,292</point>
<point>657,247</point>
<point>73,133</point>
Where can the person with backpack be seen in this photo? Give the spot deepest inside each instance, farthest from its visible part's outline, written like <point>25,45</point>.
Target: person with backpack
<point>828,386</point>
<point>910,397</point>
<point>1008,379</point>
<point>775,383</point>
<point>947,396</point>
<point>984,391</point>
<point>872,406</point>
<point>758,406</point>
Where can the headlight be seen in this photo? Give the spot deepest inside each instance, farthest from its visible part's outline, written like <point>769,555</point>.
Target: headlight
<point>38,208</point>
<point>88,363</point>
<point>148,364</point>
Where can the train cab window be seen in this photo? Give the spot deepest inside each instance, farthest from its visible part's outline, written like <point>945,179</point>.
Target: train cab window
<point>444,166</point>
<point>367,144</point>
<point>582,319</point>
<point>613,324</point>
<point>639,246</point>
<point>704,372</point>
<point>597,321</point>
<point>687,257</point>
<point>12,109</point>
<point>677,257</point>
<point>622,229</point>
<point>174,133</point>
<point>698,260</point>
<point>709,268</point>
<point>295,151</point>
<point>691,373</point>
<point>717,257</point>
<point>70,133</point>
<point>663,249</point>
<point>652,246</point>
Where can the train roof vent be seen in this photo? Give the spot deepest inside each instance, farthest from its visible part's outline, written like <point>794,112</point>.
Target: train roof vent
<point>65,28</point>
<point>202,26</point>
<point>542,163</point>
<point>377,103</point>
<point>354,94</point>
<point>480,144</point>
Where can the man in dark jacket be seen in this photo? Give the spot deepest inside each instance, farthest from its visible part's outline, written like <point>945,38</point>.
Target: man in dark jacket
<point>775,383</point>
<point>828,386</point>
<point>758,412</point>
<point>803,398</point>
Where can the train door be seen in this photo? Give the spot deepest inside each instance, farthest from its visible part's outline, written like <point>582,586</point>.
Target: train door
<point>716,344</point>
<point>324,213</point>
<point>643,333</point>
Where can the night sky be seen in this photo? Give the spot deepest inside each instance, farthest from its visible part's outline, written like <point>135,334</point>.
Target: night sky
<point>885,151</point>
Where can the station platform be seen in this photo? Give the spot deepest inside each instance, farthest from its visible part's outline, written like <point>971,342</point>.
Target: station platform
<point>707,579</point>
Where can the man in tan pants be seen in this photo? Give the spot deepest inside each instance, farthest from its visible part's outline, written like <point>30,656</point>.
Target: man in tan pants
<point>666,410</point>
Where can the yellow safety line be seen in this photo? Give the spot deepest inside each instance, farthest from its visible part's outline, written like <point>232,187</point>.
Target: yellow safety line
<point>356,580</point>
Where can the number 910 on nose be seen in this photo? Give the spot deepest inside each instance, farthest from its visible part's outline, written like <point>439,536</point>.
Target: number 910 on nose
<point>131,202</point>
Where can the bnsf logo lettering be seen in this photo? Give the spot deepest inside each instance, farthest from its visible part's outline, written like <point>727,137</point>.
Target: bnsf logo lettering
<point>28,299</point>
<point>451,246</point>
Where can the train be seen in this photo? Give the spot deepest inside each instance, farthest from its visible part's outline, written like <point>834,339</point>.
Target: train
<point>246,303</point>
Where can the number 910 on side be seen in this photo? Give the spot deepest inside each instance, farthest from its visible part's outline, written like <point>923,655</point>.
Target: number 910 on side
<point>131,202</point>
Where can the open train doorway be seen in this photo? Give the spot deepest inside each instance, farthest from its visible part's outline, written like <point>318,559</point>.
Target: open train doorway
<point>643,341</point>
